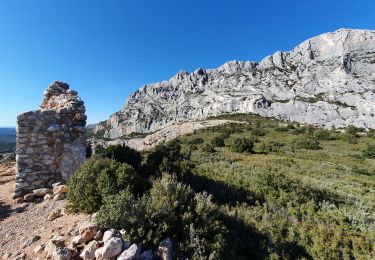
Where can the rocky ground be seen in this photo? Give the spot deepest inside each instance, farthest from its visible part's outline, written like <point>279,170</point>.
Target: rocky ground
<point>38,226</point>
<point>25,226</point>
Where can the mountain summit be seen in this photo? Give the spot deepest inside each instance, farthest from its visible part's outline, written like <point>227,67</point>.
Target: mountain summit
<point>328,80</point>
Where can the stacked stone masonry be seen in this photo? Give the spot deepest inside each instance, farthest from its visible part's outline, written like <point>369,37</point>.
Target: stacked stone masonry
<point>50,141</point>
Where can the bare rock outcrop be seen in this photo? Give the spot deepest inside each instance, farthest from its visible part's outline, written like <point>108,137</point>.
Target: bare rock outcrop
<point>50,143</point>
<point>168,133</point>
<point>328,80</point>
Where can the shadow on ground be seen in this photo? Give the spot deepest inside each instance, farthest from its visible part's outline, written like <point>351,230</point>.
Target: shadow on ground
<point>221,192</point>
<point>5,210</point>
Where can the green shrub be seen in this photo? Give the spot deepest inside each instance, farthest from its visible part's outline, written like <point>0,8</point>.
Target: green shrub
<point>218,141</point>
<point>225,135</point>
<point>371,134</point>
<point>350,139</point>
<point>242,145</point>
<point>196,140</point>
<point>167,158</point>
<point>258,130</point>
<point>305,205</point>
<point>306,142</point>
<point>121,209</point>
<point>270,146</point>
<point>193,147</point>
<point>290,126</point>
<point>282,129</point>
<point>369,151</point>
<point>322,135</point>
<point>98,149</point>
<point>123,154</point>
<point>274,186</point>
<point>299,130</point>
<point>352,130</point>
<point>310,130</point>
<point>95,179</point>
<point>362,171</point>
<point>208,148</point>
<point>171,209</point>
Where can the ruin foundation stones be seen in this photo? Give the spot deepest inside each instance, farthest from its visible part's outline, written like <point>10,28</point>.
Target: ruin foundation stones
<point>50,141</point>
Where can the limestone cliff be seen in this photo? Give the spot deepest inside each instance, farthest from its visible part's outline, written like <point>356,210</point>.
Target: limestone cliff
<point>326,80</point>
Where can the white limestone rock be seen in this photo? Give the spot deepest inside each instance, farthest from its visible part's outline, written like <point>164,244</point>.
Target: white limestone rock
<point>111,248</point>
<point>41,192</point>
<point>89,250</point>
<point>326,80</point>
<point>131,253</point>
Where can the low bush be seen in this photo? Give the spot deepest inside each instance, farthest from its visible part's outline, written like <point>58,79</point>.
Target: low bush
<point>270,146</point>
<point>218,141</point>
<point>282,129</point>
<point>193,147</point>
<point>310,130</point>
<point>352,130</point>
<point>299,130</point>
<point>208,148</point>
<point>276,187</point>
<point>322,135</point>
<point>171,209</point>
<point>242,145</point>
<point>371,134</point>
<point>227,129</point>
<point>196,140</point>
<point>269,206</point>
<point>258,130</point>
<point>349,138</point>
<point>123,154</point>
<point>167,158</point>
<point>306,142</point>
<point>369,151</point>
<point>97,178</point>
<point>225,135</point>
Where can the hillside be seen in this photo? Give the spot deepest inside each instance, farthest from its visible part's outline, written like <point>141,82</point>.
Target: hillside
<point>285,199</point>
<point>253,188</point>
<point>271,190</point>
<point>7,140</point>
<point>327,80</point>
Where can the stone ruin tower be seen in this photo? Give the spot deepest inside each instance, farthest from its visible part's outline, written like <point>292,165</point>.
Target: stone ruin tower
<point>50,141</point>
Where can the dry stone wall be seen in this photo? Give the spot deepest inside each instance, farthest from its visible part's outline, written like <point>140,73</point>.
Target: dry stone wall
<point>50,141</point>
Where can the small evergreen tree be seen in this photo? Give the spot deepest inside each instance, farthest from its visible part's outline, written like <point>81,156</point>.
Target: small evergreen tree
<point>242,145</point>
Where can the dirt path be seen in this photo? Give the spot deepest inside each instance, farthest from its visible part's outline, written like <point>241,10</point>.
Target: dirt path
<point>20,224</point>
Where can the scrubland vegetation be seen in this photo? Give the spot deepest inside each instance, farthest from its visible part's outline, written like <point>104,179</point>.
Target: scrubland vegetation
<point>7,140</point>
<point>261,189</point>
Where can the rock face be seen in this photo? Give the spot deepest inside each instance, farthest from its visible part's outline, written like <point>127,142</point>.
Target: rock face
<point>327,80</point>
<point>50,144</point>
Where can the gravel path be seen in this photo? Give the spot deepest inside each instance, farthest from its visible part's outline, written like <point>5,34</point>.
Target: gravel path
<point>21,224</point>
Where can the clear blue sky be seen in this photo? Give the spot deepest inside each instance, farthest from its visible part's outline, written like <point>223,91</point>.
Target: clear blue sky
<point>106,49</point>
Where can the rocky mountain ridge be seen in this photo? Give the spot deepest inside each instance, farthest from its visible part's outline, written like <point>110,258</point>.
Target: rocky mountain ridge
<point>327,80</point>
